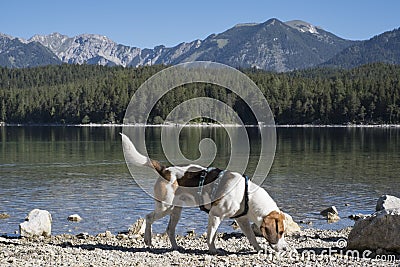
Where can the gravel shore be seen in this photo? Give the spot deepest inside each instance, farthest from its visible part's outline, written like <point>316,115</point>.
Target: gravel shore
<point>310,247</point>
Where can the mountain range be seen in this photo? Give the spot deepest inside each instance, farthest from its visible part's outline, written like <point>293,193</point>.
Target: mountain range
<point>273,45</point>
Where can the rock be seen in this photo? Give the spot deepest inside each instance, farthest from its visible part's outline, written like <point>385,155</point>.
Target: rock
<point>121,236</point>
<point>356,217</point>
<point>4,216</point>
<point>291,227</point>
<point>387,202</point>
<point>74,218</point>
<point>82,235</point>
<point>381,230</point>
<point>235,225</point>
<point>331,209</point>
<point>190,233</point>
<point>332,217</point>
<point>138,227</point>
<point>106,234</point>
<point>38,223</point>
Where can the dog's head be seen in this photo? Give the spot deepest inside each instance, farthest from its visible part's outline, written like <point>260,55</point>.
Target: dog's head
<point>273,229</point>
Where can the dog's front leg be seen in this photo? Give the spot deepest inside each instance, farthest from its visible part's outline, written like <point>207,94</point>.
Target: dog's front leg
<point>245,226</point>
<point>213,223</point>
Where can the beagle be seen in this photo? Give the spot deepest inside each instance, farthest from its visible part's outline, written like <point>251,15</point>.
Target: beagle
<point>223,194</point>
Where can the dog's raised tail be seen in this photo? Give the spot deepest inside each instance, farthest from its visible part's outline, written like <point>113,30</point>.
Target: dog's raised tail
<point>133,156</point>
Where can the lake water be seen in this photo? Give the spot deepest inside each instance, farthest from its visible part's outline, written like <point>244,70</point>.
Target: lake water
<point>68,170</point>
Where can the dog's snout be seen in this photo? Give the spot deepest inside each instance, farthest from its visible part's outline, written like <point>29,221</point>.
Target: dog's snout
<point>281,245</point>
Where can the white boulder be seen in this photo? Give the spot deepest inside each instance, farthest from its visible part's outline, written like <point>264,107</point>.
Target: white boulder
<point>38,223</point>
<point>387,202</point>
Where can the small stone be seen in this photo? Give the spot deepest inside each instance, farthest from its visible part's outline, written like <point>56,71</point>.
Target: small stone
<point>191,233</point>
<point>74,218</point>
<point>138,228</point>
<point>122,236</point>
<point>235,225</point>
<point>108,234</point>
<point>332,217</point>
<point>82,235</point>
<point>356,217</point>
<point>135,236</point>
<point>4,216</point>
<point>331,209</point>
<point>208,258</point>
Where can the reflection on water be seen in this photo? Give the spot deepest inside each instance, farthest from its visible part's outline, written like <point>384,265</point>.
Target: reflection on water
<point>81,170</point>
<point>348,167</point>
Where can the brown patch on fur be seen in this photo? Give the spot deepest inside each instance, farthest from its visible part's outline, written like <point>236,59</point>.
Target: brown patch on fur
<point>166,174</point>
<point>272,226</point>
<point>216,202</point>
<point>192,179</point>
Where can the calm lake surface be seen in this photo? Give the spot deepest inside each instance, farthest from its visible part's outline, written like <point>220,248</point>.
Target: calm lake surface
<point>68,170</point>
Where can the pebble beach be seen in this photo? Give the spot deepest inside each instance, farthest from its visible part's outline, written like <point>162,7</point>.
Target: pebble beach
<point>310,247</point>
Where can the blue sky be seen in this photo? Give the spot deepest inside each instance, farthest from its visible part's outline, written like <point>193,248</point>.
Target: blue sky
<point>150,23</point>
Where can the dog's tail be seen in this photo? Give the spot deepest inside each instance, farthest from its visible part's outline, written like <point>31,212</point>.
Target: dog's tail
<point>133,156</point>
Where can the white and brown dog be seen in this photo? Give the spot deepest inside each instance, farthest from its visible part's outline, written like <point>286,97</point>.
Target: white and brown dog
<point>234,197</point>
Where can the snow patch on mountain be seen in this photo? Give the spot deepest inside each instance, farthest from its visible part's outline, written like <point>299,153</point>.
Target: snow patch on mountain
<point>302,26</point>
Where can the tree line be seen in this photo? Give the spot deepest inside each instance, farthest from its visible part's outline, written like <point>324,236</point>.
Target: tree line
<point>75,94</point>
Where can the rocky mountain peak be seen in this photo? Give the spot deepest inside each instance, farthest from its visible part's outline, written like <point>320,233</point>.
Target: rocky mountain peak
<point>271,45</point>
<point>302,26</point>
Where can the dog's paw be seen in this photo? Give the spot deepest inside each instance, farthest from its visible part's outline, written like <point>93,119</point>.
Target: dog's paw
<point>261,251</point>
<point>178,248</point>
<point>147,241</point>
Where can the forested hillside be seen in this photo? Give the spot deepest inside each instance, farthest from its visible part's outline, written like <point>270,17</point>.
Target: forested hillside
<point>97,94</point>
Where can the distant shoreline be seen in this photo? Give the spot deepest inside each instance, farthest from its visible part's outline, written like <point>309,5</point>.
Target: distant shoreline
<point>201,125</point>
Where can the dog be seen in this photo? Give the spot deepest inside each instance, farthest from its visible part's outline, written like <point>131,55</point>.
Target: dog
<point>223,194</point>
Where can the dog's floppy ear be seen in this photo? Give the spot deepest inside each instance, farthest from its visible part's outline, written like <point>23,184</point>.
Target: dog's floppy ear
<point>272,226</point>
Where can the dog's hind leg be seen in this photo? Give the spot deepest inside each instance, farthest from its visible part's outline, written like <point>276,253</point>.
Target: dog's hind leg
<point>160,211</point>
<point>173,221</point>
